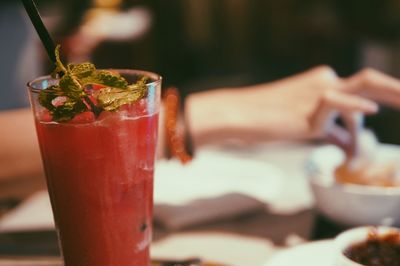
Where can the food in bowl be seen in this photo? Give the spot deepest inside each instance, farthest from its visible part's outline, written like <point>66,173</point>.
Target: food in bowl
<point>369,244</point>
<point>352,204</point>
<point>376,250</point>
<point>368,173</point>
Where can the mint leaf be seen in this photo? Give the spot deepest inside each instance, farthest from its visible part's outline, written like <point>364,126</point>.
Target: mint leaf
<point>65,109</point>
<point>47,96</point>
<point>81,70</point>
<point>111,99</point>
<point>71,87</point>
<point>106,78</point>
<point>68,110</point>
<point>139,85</point>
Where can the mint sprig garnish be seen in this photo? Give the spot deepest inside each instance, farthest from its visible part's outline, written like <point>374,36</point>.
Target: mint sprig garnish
<point>74,93</point>
<point>111,98</point>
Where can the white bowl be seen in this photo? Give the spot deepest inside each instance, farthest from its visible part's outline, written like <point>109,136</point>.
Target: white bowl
<point>353,236</point>
<point>348,204</point>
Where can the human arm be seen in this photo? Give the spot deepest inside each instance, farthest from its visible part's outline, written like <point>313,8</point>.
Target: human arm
<point>19,149</point>
<point>299,107</point>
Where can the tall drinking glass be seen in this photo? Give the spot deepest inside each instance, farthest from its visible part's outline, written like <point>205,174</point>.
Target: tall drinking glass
<point>99,173</point>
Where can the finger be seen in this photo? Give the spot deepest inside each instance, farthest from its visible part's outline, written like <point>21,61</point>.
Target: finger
<point>354,123</point>
<point>340,137</point>
<point>334,103</point>
<point>374,85</point>
<point>349,139</point>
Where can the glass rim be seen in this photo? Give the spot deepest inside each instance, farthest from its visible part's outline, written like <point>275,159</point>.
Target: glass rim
<point>157,78</point>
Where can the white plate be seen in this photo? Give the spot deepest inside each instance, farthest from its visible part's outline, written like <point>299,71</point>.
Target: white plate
<point>217,247</point>
<point>318,253</point>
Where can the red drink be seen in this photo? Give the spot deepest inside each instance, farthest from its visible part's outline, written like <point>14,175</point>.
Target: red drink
<point>100,179</point>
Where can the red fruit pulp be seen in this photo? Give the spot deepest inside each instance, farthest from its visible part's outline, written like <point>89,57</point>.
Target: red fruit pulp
<point>84,117</point>
<point>100,180</point>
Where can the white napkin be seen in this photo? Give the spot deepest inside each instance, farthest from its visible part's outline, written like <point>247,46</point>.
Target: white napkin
<point>214,174</point>
<point>33,214</point>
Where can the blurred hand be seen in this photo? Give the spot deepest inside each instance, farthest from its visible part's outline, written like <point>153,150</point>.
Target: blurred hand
<point>304,106</point>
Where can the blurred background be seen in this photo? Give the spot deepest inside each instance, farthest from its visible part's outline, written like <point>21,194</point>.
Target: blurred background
<point>199,45</point>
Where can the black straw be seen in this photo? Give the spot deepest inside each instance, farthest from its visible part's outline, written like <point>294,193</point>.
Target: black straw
<point>43,33</point>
